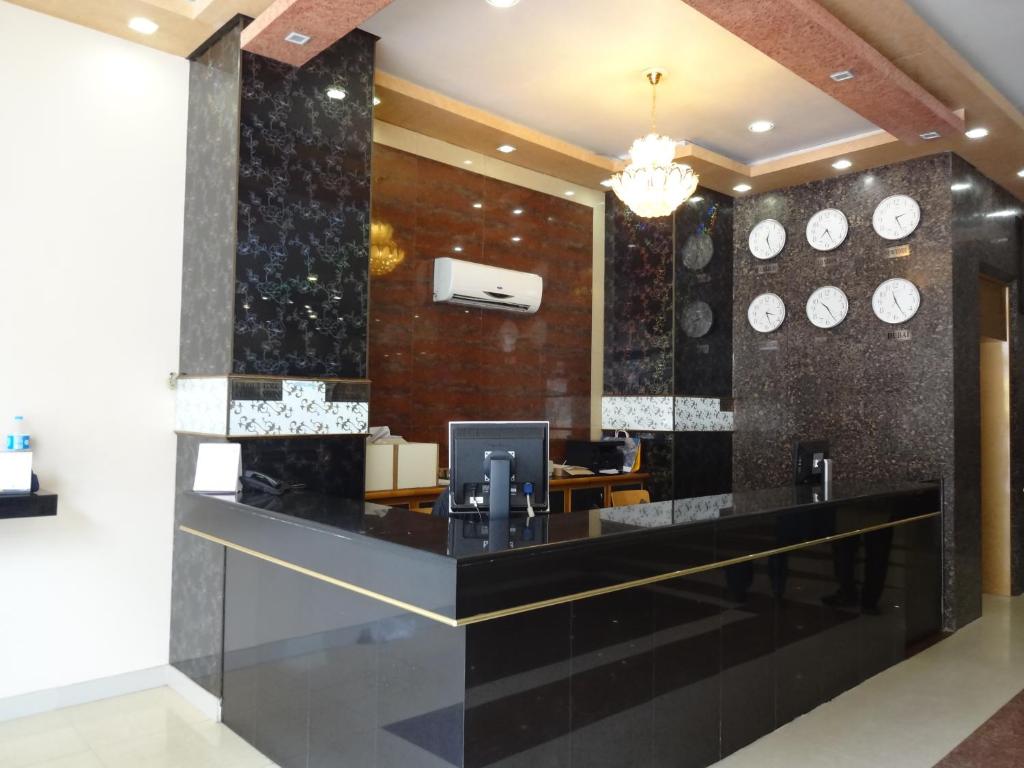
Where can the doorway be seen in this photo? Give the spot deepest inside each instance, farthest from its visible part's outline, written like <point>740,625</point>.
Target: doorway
<point>993,300</point>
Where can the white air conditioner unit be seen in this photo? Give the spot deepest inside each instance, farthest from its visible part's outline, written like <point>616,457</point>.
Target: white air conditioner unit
<point>478,285</point>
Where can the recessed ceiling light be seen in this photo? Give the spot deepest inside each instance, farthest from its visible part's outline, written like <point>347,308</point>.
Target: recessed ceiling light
<point>841,75</point>
<point>760,126</point>
<point>841,165</point>
<point>516,239</point>
<point>503,3</point>
<point>742,188</point>
<point>569,193</point>
<point>457,249</point>
<point>517,211</point>
<point>930,135</point>
<point>376,101</point>
<point>297,38</point>
<point>606,183</point>
<point>143,26</point>
<point>960,186</point>
<point>467,162</point>
<point>1021,173</point>
<point>506,149</point>
<point>478,205</point>
<point>976,133</point>
<point>338,94</point>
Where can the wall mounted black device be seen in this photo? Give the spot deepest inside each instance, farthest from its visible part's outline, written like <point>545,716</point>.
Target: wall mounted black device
<point>498,468</point>
<point>807,458</point>
<point>262,483</point>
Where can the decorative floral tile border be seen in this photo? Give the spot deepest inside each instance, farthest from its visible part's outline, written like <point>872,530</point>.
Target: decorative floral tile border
<point>665,414</point>
<point>304,408</point>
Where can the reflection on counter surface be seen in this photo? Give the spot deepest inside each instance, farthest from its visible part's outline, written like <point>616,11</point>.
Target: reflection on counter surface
<point>666,634</point>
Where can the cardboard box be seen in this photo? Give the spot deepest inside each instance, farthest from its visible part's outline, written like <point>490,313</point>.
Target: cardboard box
<point>394,466</point>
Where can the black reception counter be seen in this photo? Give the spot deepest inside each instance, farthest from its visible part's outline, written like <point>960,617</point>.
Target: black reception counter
<point>667,634</point>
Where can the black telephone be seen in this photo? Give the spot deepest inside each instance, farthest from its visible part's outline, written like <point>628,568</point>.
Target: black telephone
<point>257,481</point>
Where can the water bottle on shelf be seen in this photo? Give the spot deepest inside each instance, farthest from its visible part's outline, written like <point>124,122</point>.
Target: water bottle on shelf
<point>17,435</point>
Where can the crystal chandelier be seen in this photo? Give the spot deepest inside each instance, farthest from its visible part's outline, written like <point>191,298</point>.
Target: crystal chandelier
<point>385,255</point>
<point>653,184</point>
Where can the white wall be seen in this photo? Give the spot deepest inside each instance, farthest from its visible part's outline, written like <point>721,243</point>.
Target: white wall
<point>92,177</point>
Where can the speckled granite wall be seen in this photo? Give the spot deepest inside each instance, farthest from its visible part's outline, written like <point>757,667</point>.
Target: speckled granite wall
<point>886,405</point>
<point>211,186</point>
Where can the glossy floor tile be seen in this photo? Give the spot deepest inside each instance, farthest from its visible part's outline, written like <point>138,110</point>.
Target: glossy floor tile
<point>913,714</point>
<point>150,729</point>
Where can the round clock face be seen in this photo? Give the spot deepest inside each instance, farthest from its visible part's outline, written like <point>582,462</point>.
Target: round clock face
<point>767,239</point>
<point>896,301</point>
<point>766,313</point>
<point>827,307</point>
<point>896,217</point>
<point>697,251</point>
<point>697,319</point>
<point>827,229</point>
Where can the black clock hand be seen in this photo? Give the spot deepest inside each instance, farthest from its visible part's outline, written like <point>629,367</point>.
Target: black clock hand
<point>828,310</point>
<point>897,303</point>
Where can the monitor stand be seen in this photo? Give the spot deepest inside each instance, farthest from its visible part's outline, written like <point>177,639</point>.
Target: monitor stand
<point>500,472</point>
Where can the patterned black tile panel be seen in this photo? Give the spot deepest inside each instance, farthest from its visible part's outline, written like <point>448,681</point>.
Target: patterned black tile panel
<point>703,296</point>
<point>638,302</point>
<point>303,214</point>
<point>250,389</point>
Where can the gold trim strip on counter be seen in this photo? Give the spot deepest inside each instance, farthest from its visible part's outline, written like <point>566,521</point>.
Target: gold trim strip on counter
<point>324,577</point>
<point>527,607</point>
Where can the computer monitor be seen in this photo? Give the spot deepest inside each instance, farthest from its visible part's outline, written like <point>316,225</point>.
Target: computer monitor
<point>485,457</point>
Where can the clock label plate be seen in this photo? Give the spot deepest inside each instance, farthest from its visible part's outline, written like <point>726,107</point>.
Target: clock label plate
<point>766,269</point>
<point>702,277</point>
<point>828,261</point>
<point>768,346</point>
<point>902,334</point>
<point>703,349</point>
<point>897,252</point>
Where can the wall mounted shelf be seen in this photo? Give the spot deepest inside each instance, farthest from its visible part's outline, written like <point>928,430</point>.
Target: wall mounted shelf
<point>41,504</point>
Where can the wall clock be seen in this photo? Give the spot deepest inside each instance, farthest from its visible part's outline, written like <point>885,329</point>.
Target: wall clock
<point>767,239</point>
<point>766,313</point>
<point>827,307</point>
<point>697,251</point>
<point>697,319</point>
<point>896,301</point>
<point>827,229</point>
<point>896,217</point>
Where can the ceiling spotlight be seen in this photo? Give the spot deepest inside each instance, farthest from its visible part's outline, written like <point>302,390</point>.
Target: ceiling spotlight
<point>742,188</point>
<point>606,183</point>
<point>297,38</point>
<point>457,249</point>
<point>516,239</point>
<point>841,75</point>
<point>478,205</point>
<point>960,186</point>
<point>1021,173</point>
<point>503,3</point>
<point>376,100</point>
<point>506,149</point>
<point>338,94</point>
<point>976,133</point>
<point>467,162</point>
<point>930,135</point>
<point>143,26</point>
<point>760,126</point>
<point>517,211</point>
<point>841,165</point>
<point>569,193</point>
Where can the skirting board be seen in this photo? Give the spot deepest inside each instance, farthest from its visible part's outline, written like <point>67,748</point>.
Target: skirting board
<point>107,687</point>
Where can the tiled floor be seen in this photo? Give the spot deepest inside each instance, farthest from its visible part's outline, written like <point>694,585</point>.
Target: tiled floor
<point>908,716</point>
<point>151,729</point>
<point>913,714</point>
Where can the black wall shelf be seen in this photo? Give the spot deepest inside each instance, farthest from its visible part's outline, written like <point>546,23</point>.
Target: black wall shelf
<point>41,504</point>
